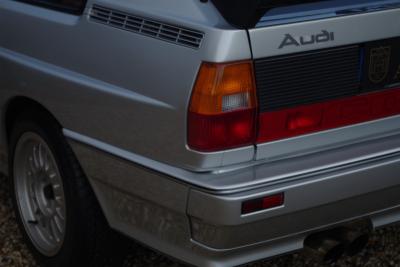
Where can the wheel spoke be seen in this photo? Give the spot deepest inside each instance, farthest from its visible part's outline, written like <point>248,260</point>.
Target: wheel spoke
<point>41,156</point>
<point>34,204</point>
<point>60,213</point>
<point>58,192</point>
<point>52,175</point>
<point>32,166</point>
<point>42,221</point>
<point>31,187</point>
<point>58,225</point>
<point>35,157</point>
<point>46,161</point>
<point>50,229</point>
<point>55,232</point>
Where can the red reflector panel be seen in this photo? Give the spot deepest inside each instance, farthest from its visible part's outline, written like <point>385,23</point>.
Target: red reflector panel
<point>328,115</point>
<point>222,131</point>
<point>264,203</point>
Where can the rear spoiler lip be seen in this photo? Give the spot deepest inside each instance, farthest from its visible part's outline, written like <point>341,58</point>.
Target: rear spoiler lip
<point>247,14</point>
<point>324,13</point>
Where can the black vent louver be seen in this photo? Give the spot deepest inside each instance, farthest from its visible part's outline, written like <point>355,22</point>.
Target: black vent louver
<point>159,30</point>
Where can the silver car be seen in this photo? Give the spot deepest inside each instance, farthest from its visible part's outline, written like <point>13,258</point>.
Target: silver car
<point>219,132</point>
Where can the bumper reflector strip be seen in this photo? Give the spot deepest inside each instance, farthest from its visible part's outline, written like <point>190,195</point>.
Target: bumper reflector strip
<point>263,203</point>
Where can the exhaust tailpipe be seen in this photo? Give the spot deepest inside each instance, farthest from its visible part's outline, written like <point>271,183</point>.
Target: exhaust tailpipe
<point>324,249</point>
<point>355,240</point>
<point>330,245</point>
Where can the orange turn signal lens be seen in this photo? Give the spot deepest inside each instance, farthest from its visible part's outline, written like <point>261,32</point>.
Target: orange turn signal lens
<point>224,87</point>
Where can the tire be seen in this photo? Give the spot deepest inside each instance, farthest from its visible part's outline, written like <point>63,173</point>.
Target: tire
<point>55,207</point>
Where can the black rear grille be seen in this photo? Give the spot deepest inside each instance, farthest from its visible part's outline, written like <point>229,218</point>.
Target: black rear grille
<point>306,78</point>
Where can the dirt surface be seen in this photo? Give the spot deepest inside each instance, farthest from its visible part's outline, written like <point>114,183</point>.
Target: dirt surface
<point>382,250</point>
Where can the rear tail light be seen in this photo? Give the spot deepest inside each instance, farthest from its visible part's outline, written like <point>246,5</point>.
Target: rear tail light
<point>223,107</point>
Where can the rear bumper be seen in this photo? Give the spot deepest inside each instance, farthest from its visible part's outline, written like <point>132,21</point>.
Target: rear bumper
<point>315,200</point>
<point>205,227</point>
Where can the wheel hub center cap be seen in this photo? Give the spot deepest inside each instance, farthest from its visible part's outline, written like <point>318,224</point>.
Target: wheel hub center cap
<point>48,192</point>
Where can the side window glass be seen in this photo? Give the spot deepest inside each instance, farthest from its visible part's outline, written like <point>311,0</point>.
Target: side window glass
<point>69,6</point>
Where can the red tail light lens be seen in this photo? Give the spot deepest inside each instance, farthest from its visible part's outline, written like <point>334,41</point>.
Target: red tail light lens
<point>307,119</point>
<point>223,107</point>
<point>304,120</point>
<point>216,132</point>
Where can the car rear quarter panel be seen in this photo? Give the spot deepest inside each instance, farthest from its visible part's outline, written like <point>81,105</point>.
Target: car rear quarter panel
<point>119,87</point>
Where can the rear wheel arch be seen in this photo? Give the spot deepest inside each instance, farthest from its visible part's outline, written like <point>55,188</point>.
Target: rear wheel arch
<point>12,108</point>
<point>21,104</point>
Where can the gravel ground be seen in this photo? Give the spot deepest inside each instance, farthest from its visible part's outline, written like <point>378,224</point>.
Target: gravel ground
<point>382,250</point>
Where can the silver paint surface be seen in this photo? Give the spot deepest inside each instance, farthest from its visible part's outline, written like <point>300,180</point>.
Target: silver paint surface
<point>122,100</point>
